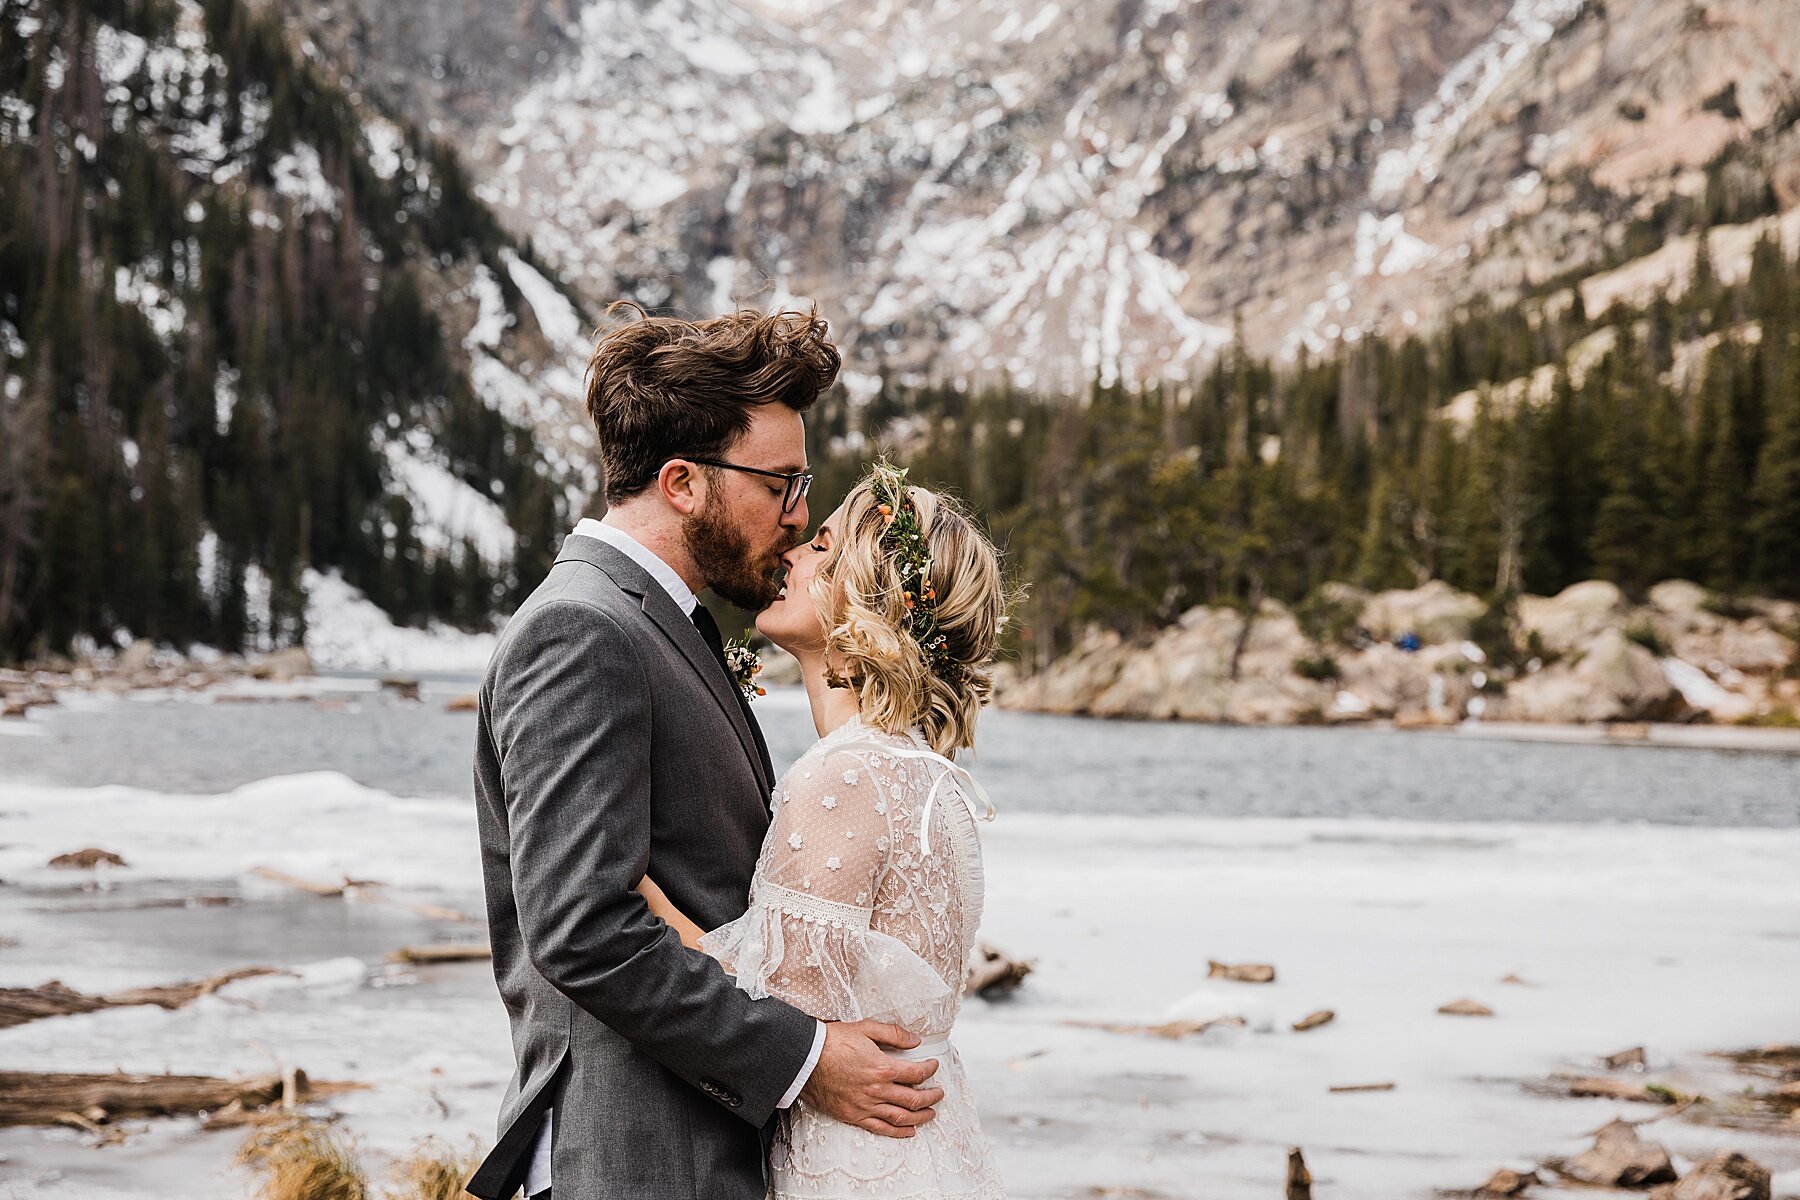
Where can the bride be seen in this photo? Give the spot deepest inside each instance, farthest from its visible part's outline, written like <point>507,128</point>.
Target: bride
<point>867,895</point>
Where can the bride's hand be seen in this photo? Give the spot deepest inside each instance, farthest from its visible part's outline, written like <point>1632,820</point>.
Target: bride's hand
<point>859,1085</point>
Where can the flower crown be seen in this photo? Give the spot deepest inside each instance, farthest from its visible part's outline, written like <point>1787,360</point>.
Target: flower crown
<point>903,538</point>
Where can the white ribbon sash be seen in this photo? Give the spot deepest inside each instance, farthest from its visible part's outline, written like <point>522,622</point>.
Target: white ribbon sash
<point>970,791</point>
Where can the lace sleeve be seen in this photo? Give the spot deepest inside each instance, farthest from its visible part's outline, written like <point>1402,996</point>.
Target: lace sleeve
<point>806,937</point>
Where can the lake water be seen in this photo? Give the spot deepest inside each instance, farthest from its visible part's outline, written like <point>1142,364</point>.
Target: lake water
<point>1646,895</point>
<point>1028,762</point>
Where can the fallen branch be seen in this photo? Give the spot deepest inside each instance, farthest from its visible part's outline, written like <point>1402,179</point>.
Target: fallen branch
<point>50,1098</point>
<point>1241,972</point>
<point>1171,1030</point>
<point>1624,1089</point>
<point>442,953</point>
<point>1344,1089</point>
<point>20,1005</point>
<point>317,888</point>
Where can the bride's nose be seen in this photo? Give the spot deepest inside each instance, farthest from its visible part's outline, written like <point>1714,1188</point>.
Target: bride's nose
<point>788,558</point>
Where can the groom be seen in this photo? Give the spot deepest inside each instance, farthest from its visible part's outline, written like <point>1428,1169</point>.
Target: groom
<point>612,743</point>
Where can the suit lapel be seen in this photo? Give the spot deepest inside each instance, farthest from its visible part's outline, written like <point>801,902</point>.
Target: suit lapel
<point>679,629</point>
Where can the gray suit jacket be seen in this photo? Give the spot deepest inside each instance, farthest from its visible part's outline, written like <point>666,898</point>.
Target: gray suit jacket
<point>611,744</point>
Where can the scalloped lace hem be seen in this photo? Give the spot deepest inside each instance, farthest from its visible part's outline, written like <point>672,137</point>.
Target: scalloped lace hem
<point>812,909</point>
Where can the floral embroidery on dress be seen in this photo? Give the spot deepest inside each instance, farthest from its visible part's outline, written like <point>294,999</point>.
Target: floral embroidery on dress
<point>884,936</point>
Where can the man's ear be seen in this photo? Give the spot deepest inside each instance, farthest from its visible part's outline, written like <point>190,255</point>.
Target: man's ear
<point>682,486</point>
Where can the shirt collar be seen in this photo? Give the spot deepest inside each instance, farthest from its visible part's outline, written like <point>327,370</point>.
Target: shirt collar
<point>643,556</point>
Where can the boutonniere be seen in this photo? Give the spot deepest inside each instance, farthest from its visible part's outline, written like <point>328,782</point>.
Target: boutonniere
<point>744,666</point>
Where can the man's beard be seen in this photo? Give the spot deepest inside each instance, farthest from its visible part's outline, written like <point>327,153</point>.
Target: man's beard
<point>723,557</point>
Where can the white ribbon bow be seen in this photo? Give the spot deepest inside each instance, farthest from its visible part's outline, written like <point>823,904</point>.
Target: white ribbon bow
<point>970,790</point>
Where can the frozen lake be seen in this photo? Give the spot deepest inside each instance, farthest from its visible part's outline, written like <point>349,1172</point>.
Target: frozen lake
<point>1645,895</point>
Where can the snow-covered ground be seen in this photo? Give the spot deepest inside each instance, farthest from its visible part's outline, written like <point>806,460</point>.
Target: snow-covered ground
<point>346,631</point>
<point>1683,939</point>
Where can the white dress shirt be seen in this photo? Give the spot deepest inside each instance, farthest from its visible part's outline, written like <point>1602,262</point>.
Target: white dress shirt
<point>537,1179</point>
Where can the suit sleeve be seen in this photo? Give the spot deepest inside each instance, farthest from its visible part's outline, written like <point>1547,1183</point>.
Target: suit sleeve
<point>570,710</point>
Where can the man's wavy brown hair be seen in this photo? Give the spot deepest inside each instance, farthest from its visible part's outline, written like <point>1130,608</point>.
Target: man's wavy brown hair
<point>662,387</point>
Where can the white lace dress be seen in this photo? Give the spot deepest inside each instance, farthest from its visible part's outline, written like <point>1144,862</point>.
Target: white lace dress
<point>865,904</point>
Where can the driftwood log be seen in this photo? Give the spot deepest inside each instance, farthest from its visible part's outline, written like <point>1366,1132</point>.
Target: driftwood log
<point>1634,1057</point>
<point>91,1101</point>
<point>992,974</point>
<point>86,859</point>
<point>1624,1089</point>
<point>19,1005</point>
<point>316,887</point>
<point>1299,1179</point>
<point>1170,1030</point>
<point>447,952</point>
<point>1241,972</point>
<point>28,1098</point>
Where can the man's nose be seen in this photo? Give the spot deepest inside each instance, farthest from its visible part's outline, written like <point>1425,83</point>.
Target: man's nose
<point>797,517</point>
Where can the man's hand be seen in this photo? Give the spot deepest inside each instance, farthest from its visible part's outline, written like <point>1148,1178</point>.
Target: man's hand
<point>859,1085</point>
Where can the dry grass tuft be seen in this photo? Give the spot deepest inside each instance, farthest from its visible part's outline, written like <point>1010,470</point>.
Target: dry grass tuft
<point>435,1172</point>
<point>301,1158</point>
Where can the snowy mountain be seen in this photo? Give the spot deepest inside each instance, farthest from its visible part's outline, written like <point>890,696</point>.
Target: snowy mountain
<point>1058,192</point>
<point>257,338</point>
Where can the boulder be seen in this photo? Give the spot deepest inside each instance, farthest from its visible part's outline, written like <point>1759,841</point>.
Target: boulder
<point>1754,648</point>
<point>1276,702</point>
<point>1615,680</point>
<point>1465,1008</point>
<point>1702,694</point>
<point>1507,1182</point>
<point>283,665</point>
<point>1619,1158</point>
<point>135,657</point>
<point>1727,1175</point>
<point>1070,684</point>
<point>1436,612</point>
<point>1680,598</point>
<point>1574,616</point>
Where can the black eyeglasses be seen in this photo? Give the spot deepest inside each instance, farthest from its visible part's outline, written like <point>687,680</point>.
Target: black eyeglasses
<point>798,482</point>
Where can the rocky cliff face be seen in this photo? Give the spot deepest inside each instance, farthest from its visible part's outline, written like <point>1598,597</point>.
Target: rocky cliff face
<point>1001,186</point>
<point>1585,655</point>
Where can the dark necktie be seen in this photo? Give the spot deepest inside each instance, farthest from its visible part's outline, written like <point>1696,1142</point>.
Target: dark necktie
<point>709,630</point>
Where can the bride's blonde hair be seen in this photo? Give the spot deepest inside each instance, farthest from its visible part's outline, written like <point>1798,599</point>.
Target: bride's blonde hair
<point>868,610</point>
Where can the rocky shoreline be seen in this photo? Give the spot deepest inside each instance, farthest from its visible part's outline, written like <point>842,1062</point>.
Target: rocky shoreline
<point>1435,657</point>
<point>141,666</point>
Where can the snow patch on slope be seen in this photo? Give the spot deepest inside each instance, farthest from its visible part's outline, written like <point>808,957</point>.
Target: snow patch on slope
<point>346,631</point>
<point>446,511</point>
